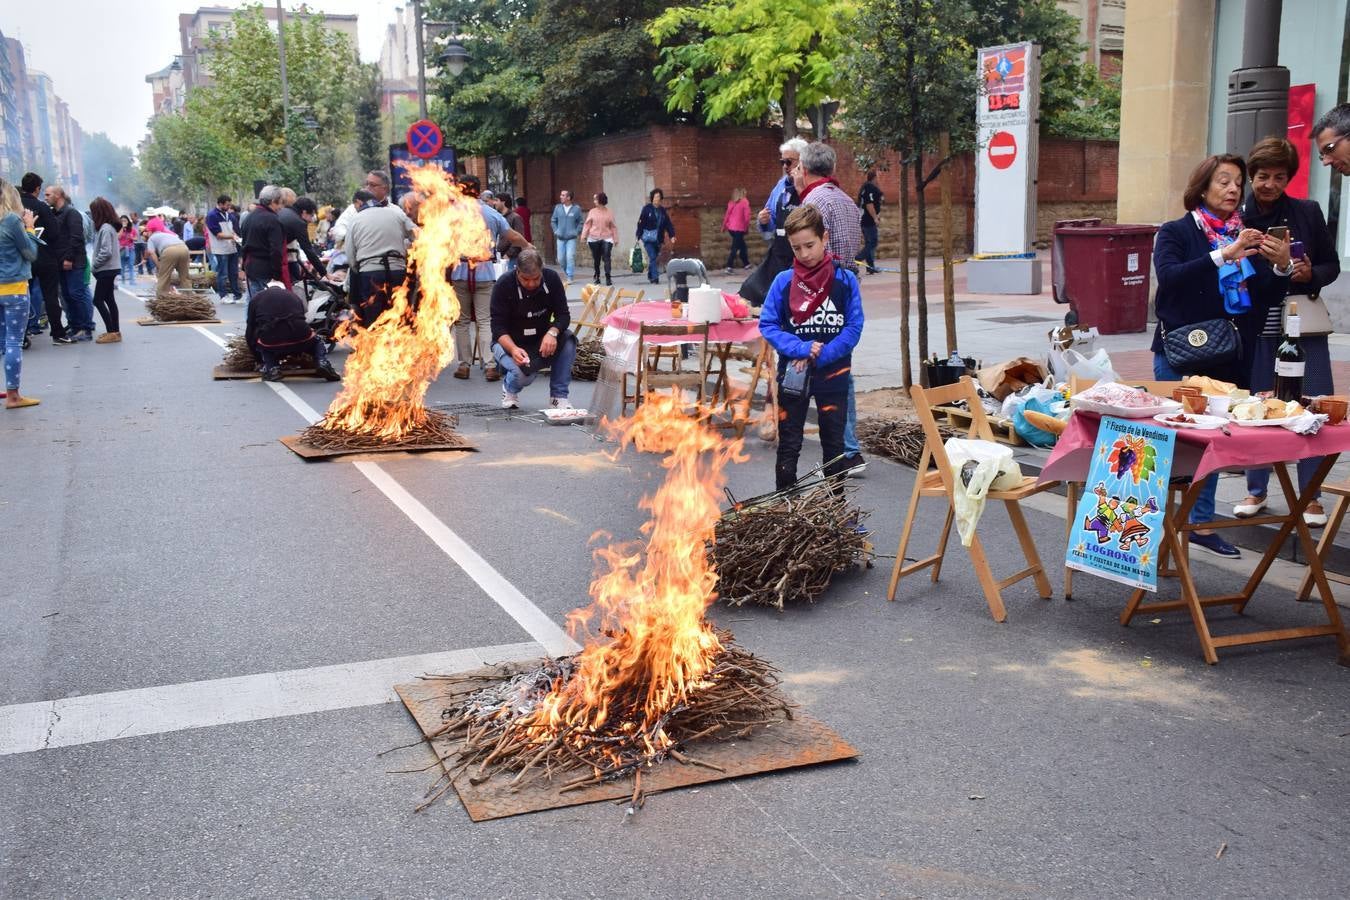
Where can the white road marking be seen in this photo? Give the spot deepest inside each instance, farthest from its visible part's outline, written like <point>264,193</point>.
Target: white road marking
<point>29,727</point>
<point>505,594</point>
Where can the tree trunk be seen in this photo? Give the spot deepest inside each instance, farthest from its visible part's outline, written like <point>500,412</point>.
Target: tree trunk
<point>920,261</point>
<point>948,285</point>
<point>789,105</point>
<point>906,369</point>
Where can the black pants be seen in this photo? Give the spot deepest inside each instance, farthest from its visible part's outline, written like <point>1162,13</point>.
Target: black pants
<point>601,250</point>
<point>373,293</point>
<point>272,356</point>
<point>831,414</point>
<point>49,282</point>
<point>738,246</point>
<point>105,298</point>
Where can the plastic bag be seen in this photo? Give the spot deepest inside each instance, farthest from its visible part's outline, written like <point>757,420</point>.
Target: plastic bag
<point>1034,436</point>
<point>1096,367</point>
<point>978,467</point>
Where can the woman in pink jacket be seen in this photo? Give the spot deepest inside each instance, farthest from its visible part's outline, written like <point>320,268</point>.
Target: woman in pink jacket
<point>600,232</point>
<point>736,222</point>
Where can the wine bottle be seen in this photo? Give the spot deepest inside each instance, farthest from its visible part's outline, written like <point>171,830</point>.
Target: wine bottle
<point>1289,359</point>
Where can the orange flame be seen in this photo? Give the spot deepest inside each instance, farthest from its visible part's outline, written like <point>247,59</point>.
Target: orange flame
<point>394,360</point>
<point>651,644</point>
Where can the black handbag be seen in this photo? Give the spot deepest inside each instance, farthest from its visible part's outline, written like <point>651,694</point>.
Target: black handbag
<point>1204,345</point>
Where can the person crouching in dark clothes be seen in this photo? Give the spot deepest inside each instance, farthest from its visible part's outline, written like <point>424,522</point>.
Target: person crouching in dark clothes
<point>813,317</point>
<point>530,319</point>
<point>277,328</point>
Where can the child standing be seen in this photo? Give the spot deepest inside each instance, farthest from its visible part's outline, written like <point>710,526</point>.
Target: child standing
<point>813,317</point>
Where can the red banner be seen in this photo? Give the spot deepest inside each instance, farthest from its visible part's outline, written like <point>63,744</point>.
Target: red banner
<point>1301,101</point>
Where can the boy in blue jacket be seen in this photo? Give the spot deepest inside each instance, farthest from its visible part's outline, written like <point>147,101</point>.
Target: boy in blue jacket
<point>813,317</point>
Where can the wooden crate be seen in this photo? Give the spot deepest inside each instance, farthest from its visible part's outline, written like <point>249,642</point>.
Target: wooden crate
<point>1002,428</point>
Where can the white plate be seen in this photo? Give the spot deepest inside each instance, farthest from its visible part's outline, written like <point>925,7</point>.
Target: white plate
<point>1201,423</point>
<point>1257,423</point>
<point>564,416</point>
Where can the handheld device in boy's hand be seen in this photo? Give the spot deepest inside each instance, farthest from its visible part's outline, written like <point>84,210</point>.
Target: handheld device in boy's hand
<point>796,382</point>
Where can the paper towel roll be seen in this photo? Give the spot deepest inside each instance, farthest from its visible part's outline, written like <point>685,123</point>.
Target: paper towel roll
<point>705,304</point>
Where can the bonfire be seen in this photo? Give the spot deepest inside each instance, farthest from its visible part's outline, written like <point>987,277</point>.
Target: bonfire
<point>394,361</point>
<point>654,676</point>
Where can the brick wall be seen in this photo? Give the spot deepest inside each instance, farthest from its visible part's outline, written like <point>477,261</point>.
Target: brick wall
<point>697,168</point>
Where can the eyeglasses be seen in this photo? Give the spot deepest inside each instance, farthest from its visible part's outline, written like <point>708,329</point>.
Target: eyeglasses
<point>788,162</point>
<point>1325,151</point>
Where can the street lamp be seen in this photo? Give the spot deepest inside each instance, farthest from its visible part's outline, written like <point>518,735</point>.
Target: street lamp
<point>454,55</point>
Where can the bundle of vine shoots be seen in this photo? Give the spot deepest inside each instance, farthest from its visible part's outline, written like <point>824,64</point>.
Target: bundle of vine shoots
<point>590,354</point>
<point>430,429</point>
<point>491,730</point>
<point>239,358</point>
<point>785,547</point>
<point>172,306</point>
<point>901,441</point>
<point>202,281</point>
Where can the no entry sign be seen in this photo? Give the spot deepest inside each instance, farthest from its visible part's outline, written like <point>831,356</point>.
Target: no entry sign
<point>1002,150</point>
<point>424,139</point>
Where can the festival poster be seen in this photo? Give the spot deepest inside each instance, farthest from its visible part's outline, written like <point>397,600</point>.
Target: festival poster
<point>1118,526</point>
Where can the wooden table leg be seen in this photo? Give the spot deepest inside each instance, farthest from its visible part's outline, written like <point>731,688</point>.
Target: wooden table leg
<point>1188,592</point>
<point>1172,522</point>
<point>1315,570</point>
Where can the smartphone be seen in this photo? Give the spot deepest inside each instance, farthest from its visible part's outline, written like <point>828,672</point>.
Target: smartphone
<point>1279,232</point>
<point>1296,250</point>
<point>796,382</point>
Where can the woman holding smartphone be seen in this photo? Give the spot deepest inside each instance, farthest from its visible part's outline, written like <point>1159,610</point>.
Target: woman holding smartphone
<point>1272,163</point>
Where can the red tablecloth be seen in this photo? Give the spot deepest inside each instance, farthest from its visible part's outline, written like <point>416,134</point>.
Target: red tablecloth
<point>1198,453</point>
<point>628,318</point>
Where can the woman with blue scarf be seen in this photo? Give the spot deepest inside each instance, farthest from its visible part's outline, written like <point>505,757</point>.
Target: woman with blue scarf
<point>1210,267</point>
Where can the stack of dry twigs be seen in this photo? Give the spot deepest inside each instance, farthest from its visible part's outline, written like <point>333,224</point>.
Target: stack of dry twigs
<point>897,440</point>
<point>238,358</point>
<point>202,281</point>
<point>590,354</point>
<point>432,429</point>
<point>787,546</point>
<point>494,734</point>
<point>172,306</point>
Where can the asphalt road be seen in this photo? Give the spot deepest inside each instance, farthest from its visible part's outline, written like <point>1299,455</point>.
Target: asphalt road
<point>159,535</point>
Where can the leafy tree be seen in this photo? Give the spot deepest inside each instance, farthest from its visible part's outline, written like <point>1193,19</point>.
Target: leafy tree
<point>734,60</point>
<point>189,154</point>
<point>545,73</point>
<point>245,96</point>
<point>911,79</point>
<point>370,144</point>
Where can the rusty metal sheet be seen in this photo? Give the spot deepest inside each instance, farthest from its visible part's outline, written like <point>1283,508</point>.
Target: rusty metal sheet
<point>802,741</point>
<point>296,445</point>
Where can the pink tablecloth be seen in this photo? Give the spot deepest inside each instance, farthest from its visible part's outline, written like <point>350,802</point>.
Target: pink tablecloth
<point>1198,453</point>
<point>628,318</point>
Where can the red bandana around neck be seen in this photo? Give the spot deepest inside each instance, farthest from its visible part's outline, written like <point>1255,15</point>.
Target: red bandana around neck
<point>809,288</point>
<point>811,187</point>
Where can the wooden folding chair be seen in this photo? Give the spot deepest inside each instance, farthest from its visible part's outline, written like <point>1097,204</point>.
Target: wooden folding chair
<point>647,379</point>
<point>596,304</point>
<point>625,296</point>
<point>942,483</point>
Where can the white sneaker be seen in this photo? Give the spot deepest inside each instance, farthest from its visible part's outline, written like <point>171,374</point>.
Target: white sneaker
<point>560,403</point>
<point>1247,510</point>
<point>509,400</point>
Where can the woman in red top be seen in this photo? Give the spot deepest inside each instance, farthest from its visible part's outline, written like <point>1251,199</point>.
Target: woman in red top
<point>736,222</point>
